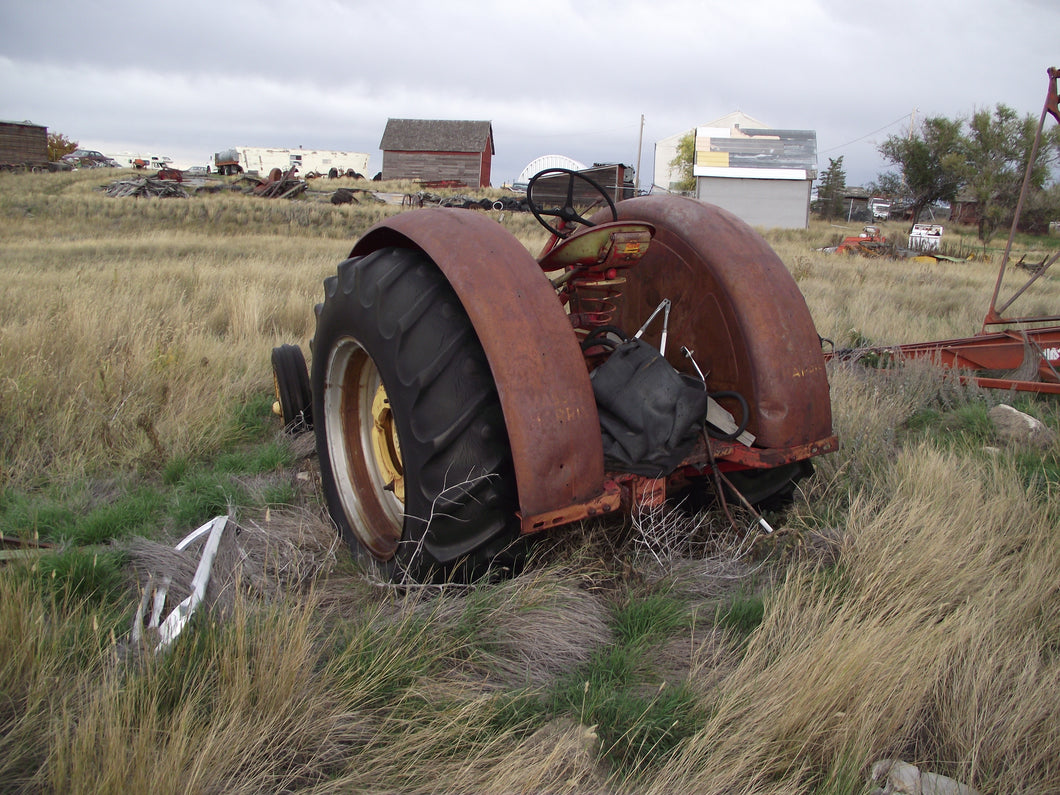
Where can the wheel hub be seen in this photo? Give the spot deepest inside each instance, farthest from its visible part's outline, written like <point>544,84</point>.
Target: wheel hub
<point>385,445</point>
<point>363,449</point>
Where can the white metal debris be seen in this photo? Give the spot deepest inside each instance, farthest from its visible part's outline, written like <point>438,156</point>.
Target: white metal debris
<point>174,623</point>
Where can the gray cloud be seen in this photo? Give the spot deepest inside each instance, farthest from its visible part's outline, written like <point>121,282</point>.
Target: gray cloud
<point>553,76</point>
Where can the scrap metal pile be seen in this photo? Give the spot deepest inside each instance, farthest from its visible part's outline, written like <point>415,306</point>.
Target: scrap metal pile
<point>515,204</point>
<point>924,245</point>
<point>146,187</point>
<point>280,185</point>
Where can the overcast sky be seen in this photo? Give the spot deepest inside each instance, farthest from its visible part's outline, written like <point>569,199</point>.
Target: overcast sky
<point>186,79</point>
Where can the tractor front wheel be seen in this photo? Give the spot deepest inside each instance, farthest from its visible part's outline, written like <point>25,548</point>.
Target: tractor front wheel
<point>414,455</point>
<point>291,382</point>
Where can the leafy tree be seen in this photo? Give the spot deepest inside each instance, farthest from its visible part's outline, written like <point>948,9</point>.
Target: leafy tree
<point>833,185</point>
<point>59,145</point>
<point>996,150</point>
<point>931,162</point>
<point>888,183</point>
<point>683,161</point>
<point>1041,208</point>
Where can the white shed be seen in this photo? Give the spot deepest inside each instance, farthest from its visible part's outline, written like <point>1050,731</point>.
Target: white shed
<point>760,174</point>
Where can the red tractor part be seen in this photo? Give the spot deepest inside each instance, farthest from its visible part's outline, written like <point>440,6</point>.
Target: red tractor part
<point>1024,360</point>
<point>451,392</point>
<point>870,243</point>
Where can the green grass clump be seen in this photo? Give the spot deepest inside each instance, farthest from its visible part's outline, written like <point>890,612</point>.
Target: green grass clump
<point>742,615</point>
<point>650,618</point>
<point>639,716</point>
<point>136,513</point>
<point>76,516</point>
<point>85,576</point>
<point>968,425</point>
<point>185,493</point>
<point>639,722</point>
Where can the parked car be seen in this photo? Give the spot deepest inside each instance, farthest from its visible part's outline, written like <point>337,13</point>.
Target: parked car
<point>89,158</point>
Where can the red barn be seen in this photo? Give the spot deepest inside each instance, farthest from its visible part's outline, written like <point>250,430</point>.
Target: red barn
<point>432,150</point>
<point>23,143</point>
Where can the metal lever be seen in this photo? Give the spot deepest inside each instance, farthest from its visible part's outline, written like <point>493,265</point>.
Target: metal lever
<point>689,355</point>
<point>664,307</point>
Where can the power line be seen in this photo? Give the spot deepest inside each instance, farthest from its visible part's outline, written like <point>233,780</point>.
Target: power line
<point>576,134</point>
<point>866,135</point>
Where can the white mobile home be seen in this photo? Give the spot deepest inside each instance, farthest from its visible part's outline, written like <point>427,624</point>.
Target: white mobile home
<point>141,160</point>
<point>262,160</point>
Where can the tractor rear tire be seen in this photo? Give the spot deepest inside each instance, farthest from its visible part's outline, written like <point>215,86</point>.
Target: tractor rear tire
<point>415,460</point>
<point>766,489</point>
<point>770,489</point>
<point>291,379</point>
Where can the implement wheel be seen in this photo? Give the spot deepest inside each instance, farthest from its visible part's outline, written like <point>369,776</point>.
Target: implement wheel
<point>414,455</point>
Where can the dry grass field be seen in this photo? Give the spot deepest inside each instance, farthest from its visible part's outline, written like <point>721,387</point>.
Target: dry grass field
<point>907,606</point>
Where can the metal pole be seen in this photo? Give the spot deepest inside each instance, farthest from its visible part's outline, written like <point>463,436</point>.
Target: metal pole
<point>991,314</point>
<point>640,143</point>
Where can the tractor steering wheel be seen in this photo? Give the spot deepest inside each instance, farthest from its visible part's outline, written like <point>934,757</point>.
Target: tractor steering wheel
<point>566,213</point>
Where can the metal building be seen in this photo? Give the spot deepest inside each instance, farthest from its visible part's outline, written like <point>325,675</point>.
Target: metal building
<point>760,174</point>
<point>665,175</point>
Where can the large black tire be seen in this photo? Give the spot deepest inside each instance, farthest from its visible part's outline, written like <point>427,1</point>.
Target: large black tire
<point>291,379</point>
<point>770,489</point>
<point>415,460</point>
<point>766,489</point>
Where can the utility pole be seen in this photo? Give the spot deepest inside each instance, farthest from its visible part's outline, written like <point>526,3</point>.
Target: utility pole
<point>640,143</point>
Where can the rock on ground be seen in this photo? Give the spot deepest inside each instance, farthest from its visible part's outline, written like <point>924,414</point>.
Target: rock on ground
<point>1015,427</point>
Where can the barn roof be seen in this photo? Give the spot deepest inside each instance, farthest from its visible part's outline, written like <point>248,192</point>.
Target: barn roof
<point>437,135</point>
<point>26,123</point>
<point>737,119</point>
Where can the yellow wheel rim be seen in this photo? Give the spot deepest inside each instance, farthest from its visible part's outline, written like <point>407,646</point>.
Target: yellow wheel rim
<point>385,445</point>
<point>362,447</point>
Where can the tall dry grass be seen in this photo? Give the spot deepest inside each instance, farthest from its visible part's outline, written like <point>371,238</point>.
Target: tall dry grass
<point>116,352</point>
<point>908,600</point>
<point>856,300</point>
<point>130,328</point>
<point>933,640</point>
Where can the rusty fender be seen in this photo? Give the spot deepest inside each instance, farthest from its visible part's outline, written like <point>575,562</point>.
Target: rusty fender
<point>544,388</point>
<point>737,307</point>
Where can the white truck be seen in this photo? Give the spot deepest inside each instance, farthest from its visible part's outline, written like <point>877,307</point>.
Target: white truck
<point>262,160</point>
<point>879,208</point>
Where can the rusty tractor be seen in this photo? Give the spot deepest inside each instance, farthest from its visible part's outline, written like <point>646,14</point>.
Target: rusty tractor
<point>466,396</point>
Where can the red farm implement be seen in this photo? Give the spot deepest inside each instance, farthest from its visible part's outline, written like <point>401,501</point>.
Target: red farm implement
<point>1009,352</point>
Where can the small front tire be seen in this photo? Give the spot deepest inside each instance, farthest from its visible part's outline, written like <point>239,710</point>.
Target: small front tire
<point>291,381</point>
